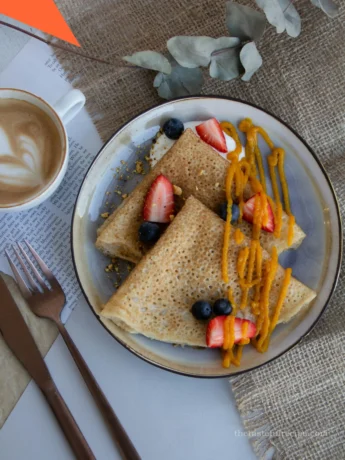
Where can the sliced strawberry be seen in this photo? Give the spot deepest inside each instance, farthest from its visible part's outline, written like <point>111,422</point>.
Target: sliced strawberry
<point>159,201</point>
<point>248,213</point>
<point>211,132</point>
<point>215,331</point>
<point>251,331</point>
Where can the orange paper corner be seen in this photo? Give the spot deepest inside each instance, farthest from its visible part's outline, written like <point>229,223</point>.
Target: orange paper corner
<point>40,14</point>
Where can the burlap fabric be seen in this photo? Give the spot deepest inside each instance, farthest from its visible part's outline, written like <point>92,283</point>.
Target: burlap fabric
<point>296,405</point>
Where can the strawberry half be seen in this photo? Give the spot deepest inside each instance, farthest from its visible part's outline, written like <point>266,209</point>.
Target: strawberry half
<point>248,213</point>
<point>159,201</point>
<point>211,132</point>
<point>215,331</point>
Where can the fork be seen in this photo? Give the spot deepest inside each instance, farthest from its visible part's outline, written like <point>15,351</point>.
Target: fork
<point>48,302</point>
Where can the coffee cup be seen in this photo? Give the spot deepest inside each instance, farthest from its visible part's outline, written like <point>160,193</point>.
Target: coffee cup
<point>33,146</point>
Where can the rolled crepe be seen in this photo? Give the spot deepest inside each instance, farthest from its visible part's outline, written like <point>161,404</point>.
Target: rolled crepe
<point>198,170</point>
<point>185,266</point>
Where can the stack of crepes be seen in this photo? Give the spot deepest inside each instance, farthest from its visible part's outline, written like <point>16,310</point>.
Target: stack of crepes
<point>185,265</point>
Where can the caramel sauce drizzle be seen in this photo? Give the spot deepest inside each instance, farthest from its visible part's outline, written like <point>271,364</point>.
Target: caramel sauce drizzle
<point>277,310</point>
<point>231,131</point>
<point>275,160</point>
<point>238,236</point>
<point>251,270</point>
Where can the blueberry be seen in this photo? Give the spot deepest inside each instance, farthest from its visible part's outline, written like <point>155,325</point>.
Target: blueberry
<point>223,210</point>
<point>173,128</point>
<point>222,307</point>
<point>235,211</point>
<point>202,310</point>
<point>149,232</point>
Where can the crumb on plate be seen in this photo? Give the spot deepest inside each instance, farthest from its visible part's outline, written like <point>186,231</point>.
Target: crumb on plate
<point>177,190</point>
<point>139,169</point>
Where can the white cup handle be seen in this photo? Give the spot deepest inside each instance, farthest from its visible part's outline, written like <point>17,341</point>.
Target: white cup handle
<point>69,105</point>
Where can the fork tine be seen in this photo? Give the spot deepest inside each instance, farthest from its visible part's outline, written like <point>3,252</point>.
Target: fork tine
<point>33,268</point>
<point>40,262</point>
<point>26,271</point>
<point>21,283</point>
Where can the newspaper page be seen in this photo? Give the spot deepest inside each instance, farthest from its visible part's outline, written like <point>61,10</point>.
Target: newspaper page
<point>48,226</point>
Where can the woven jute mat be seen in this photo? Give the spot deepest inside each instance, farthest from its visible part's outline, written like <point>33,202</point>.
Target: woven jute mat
<point>295,406</point>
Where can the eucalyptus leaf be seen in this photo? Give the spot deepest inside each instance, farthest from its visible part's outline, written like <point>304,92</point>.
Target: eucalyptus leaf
<point>292,18</point>
<point>227,65</point>
<point>250,59</point>
<point>282,15</point>
<point>180,82</point>
<point>327,6</point>
<point>158,79</point>
<point>193,52</point>
<point>274,13</point>
<point>150,60</point>
<point>225,42</point>
<point>244,22</point>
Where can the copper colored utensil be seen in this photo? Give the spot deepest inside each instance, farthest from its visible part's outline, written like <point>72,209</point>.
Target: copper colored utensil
<point>19,339</point>
<point>48,302</point>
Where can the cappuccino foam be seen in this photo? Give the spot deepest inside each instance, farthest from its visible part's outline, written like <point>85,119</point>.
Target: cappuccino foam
<point>31,153</point>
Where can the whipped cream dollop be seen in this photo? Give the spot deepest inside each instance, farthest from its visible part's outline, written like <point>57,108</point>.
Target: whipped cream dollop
<point>163,144</point>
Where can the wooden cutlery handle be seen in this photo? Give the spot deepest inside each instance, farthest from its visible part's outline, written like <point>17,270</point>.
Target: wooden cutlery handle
<point>123,442</point>
<point>69,426</point>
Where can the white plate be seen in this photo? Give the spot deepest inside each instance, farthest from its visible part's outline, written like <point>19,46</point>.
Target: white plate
<point>316,262</point>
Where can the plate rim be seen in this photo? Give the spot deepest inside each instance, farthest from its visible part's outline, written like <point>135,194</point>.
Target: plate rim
<point>340,242</point>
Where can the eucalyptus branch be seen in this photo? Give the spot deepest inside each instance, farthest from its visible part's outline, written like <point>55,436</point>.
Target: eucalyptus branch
<point>226,58</point>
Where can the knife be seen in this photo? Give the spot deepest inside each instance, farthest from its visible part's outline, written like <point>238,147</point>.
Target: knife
<point>20,341</point>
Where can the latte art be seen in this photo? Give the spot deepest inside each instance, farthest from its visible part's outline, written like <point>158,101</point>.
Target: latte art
<point>30,151</point>
<point>23,170</point>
